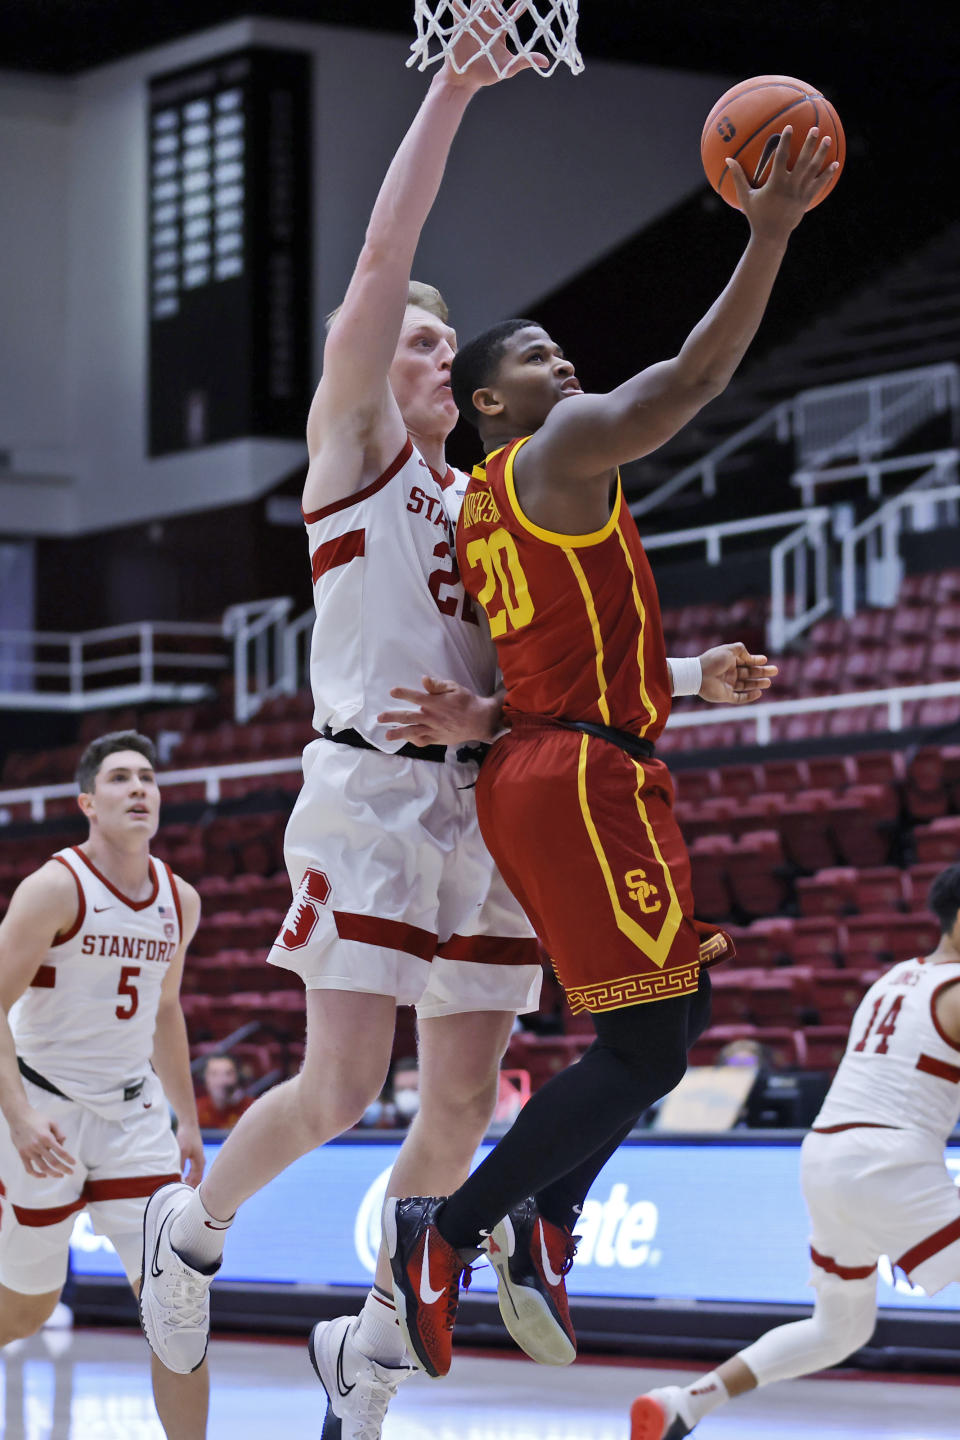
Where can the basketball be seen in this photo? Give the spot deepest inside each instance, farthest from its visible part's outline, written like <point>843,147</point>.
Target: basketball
<point>746,122</point>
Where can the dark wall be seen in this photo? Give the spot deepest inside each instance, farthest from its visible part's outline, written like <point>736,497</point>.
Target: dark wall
<point>187,568</point>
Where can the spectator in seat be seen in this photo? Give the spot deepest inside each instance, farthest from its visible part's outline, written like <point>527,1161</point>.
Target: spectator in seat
<point>224,1102</point>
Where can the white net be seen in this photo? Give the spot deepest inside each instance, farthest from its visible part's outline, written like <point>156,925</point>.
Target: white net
<point>465,31</point>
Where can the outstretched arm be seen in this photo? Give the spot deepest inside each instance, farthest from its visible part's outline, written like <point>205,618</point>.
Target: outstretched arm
<point>355,428</point>
<point>724,675</point>
<point>589,436</point>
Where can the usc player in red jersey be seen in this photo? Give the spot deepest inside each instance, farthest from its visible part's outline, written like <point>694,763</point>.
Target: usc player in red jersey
<point>574,806</point>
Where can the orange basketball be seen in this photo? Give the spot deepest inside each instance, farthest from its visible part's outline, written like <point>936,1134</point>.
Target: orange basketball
<point>746,123</point>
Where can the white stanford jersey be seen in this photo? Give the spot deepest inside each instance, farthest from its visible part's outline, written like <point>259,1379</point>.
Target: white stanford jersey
<point>86,1022</point>
<point>899,1070</point>
<point>390,605</point>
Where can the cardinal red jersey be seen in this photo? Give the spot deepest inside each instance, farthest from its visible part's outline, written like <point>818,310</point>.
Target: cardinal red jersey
<point>575,618</point>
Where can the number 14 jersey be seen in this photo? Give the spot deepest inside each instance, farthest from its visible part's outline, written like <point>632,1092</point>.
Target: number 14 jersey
<point>899,1069</point>
<point>86,1021</point>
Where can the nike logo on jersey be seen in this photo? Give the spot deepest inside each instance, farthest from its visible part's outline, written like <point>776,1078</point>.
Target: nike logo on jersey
<point>155,1270</point>
<point>550,1275</point>
<point>147,1104</point>
<point>428,1295</point>
<point>342,1387</point>
<point>211,1226</point>
<point>99,909</point>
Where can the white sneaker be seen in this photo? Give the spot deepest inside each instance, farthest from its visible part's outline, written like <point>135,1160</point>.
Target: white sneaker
<point>174,1298</point>
<point>656,1416</point>
<point>358,1389</point>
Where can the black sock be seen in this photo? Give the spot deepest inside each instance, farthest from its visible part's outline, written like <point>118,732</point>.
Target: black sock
<point>571,1126</point>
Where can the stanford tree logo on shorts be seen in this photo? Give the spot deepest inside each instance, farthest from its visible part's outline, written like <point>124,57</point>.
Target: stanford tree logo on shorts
<point>312,892</point>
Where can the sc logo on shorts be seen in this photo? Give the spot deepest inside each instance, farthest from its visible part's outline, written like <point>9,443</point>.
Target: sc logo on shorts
<point>312,892</point>
<point>640,889</point>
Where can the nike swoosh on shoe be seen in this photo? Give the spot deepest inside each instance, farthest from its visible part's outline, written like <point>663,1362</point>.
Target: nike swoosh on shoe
<point>428,1295</point>
<point>549,1273</point>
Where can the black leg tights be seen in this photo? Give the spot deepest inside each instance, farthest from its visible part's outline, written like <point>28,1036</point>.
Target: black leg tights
<point>568,1130</point>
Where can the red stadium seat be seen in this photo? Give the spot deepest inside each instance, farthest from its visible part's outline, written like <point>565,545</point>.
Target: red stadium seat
<point>693,786</point>
<point>876,940</point>
<point>785,777</point>
<point>881,887</point>
<point>755,872</point>
<point>925,792</point>
<point>740,782</point>
<point>708,863</point>
<point>765,943</point>
<point>824,1045</point>
<point>917,883</point>
<point>939,841</point>
<point>816,941</point>
<point>806,830</point>
<point>731,995</point>
<point>837,993</point>
<point>828,892</point>
<point>862,824</point>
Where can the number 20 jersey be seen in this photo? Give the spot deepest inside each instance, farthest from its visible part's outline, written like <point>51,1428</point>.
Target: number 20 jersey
<point>86,1021</point>
<point>575,618</point>
<point>899,1069</point>
<point>390,605</point>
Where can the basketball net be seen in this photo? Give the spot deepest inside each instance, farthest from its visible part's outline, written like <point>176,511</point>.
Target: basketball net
<point>531,27</point>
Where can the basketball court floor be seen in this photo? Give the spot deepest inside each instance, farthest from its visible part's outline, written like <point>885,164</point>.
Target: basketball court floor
<point>94,1385</point>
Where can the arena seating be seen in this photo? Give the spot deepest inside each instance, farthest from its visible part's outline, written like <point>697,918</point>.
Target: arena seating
<point>818,865</point>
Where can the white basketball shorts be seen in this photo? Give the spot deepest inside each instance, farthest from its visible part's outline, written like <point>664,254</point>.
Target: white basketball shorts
<point>873,1192</point>
<point>394,891</point>
<point>119,1164</point>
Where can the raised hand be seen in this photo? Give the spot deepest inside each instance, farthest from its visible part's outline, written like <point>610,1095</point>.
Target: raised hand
<point>778,205</point>
<point>732,676</point>
<point>474,69</point>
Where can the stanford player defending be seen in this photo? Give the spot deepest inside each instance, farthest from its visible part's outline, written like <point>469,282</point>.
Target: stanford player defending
<point>574,807</point>
<point>91,955</point>
<point>873,1178</point>
<point>396,900</point>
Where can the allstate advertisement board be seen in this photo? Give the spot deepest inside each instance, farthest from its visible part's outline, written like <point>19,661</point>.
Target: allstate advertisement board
<point>678,1221</point>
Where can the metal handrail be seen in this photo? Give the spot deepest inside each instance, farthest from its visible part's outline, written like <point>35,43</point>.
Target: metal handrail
<point>760,715</point>
<point>885,523</point>
<point>789,419</point>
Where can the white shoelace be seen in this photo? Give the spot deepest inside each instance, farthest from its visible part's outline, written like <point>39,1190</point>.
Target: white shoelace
<point>189,1299</point>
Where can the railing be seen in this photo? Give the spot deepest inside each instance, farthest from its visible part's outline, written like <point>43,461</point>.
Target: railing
<point>860,417</point>
<point>297,643</point>
<point>807,546</point>
<point>258,629</point>
<point>211,777</point>
<point>760,716</point>
<point>71,680</point>
<point>791,560</point>
<point>939,466</point>
<point>880,534</point>
<point>867,417</point>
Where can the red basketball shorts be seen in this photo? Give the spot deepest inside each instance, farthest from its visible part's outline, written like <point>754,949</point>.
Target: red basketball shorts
<point>585,836</point>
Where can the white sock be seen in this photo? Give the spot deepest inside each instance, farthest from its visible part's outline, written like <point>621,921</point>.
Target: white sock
<point>378,1333</point>
<point>701,1397</point>
<point>197,1236</point>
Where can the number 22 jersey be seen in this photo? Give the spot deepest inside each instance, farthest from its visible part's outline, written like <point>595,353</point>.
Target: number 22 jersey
<point>389,602</point>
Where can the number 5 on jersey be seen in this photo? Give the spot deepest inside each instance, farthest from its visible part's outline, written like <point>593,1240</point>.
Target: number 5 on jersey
<point>505,595</point>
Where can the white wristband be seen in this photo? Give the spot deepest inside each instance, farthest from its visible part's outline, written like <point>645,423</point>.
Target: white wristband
<point>687,675</point>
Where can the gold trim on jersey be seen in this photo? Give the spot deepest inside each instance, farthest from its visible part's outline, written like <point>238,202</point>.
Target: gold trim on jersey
<point>641,610</point>
<point>554,537</point>
<point>655,948</point>
<point>587,595</point>
<point>635,989</point>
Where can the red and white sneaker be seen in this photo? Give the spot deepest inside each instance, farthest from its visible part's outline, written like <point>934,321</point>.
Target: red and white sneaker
<point>531,1257</point>
<point>656,1416</point>
<point>426,1279</point>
